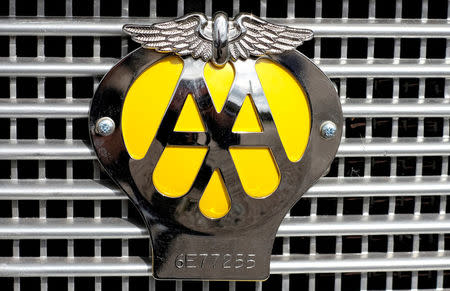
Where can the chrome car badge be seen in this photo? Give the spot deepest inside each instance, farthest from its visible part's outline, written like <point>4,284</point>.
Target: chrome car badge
<point>215,128</point>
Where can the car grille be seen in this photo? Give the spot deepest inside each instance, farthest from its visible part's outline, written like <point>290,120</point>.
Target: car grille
<point>377,221</point>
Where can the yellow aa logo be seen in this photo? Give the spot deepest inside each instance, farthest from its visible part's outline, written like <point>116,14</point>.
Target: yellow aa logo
<point>149,98</point>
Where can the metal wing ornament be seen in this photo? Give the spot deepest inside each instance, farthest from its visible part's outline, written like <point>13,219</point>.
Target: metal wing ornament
<point>258,37</point>
<point>219,40</point>
<point>182,36</point>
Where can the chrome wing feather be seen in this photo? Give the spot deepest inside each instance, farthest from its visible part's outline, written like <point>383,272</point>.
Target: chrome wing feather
<point>259,37</point>
<point>181,36</point>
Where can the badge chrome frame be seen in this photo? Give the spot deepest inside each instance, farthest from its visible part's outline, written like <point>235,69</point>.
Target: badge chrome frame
<point>176,225</point>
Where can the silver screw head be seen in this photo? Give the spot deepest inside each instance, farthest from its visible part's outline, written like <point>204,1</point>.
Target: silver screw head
<point>328,129</point>
<point>105,126</point>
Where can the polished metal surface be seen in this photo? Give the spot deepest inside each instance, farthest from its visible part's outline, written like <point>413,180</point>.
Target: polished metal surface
<point>367,268</point>
<point>220,39</point>
<point>250,226</point>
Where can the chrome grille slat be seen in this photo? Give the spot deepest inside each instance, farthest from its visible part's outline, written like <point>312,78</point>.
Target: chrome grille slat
<point>77,228</point>
<point>379,147</point>
<point>53,67</point>
<point>294,264</point>
<point>115,228</point>
<point>26,108</point>
<point>364,225</point>
<point>430,107</point>
<point>46,150</point>
<point>373,262</point>
<point>74,267</point>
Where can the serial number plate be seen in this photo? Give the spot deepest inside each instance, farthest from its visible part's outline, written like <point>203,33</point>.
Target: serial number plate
<point>213,261</point>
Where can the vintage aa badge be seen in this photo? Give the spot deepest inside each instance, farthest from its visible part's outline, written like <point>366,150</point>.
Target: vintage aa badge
<point>215,128</point>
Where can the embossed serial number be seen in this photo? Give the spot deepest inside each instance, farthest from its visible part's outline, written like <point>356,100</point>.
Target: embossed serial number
<point>213,261</point>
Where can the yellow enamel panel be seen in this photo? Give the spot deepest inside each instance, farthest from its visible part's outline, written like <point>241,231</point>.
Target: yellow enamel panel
<point>219,81</point>
<point>247,119</point>
<point>175,172</point>
<point>177,169</point>
<point>146,103</point>
<point>257,170</point>
<point>215,202</point>
<point>289,106</point>
<point>190,119</point>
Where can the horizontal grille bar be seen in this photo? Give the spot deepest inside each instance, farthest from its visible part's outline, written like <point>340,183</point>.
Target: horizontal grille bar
<point>78,228</point>
<point>326,187</point>
<point>380,187</point>
<point>55,66</point>
<point>364,225</point>
<point>26,108</point>
<point>117,228</point>
<point>135,266</point>
<point>60,190</point>
<point>79,108</point>
<point>355,68</point>
<point>322,27</point>
<point>74,267</point>
<point>384,68</point>
<point>429,107</point>
<point>45,150</point>
<point>379,147</point>
<point>350,147</point>
<point>372,262</point>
